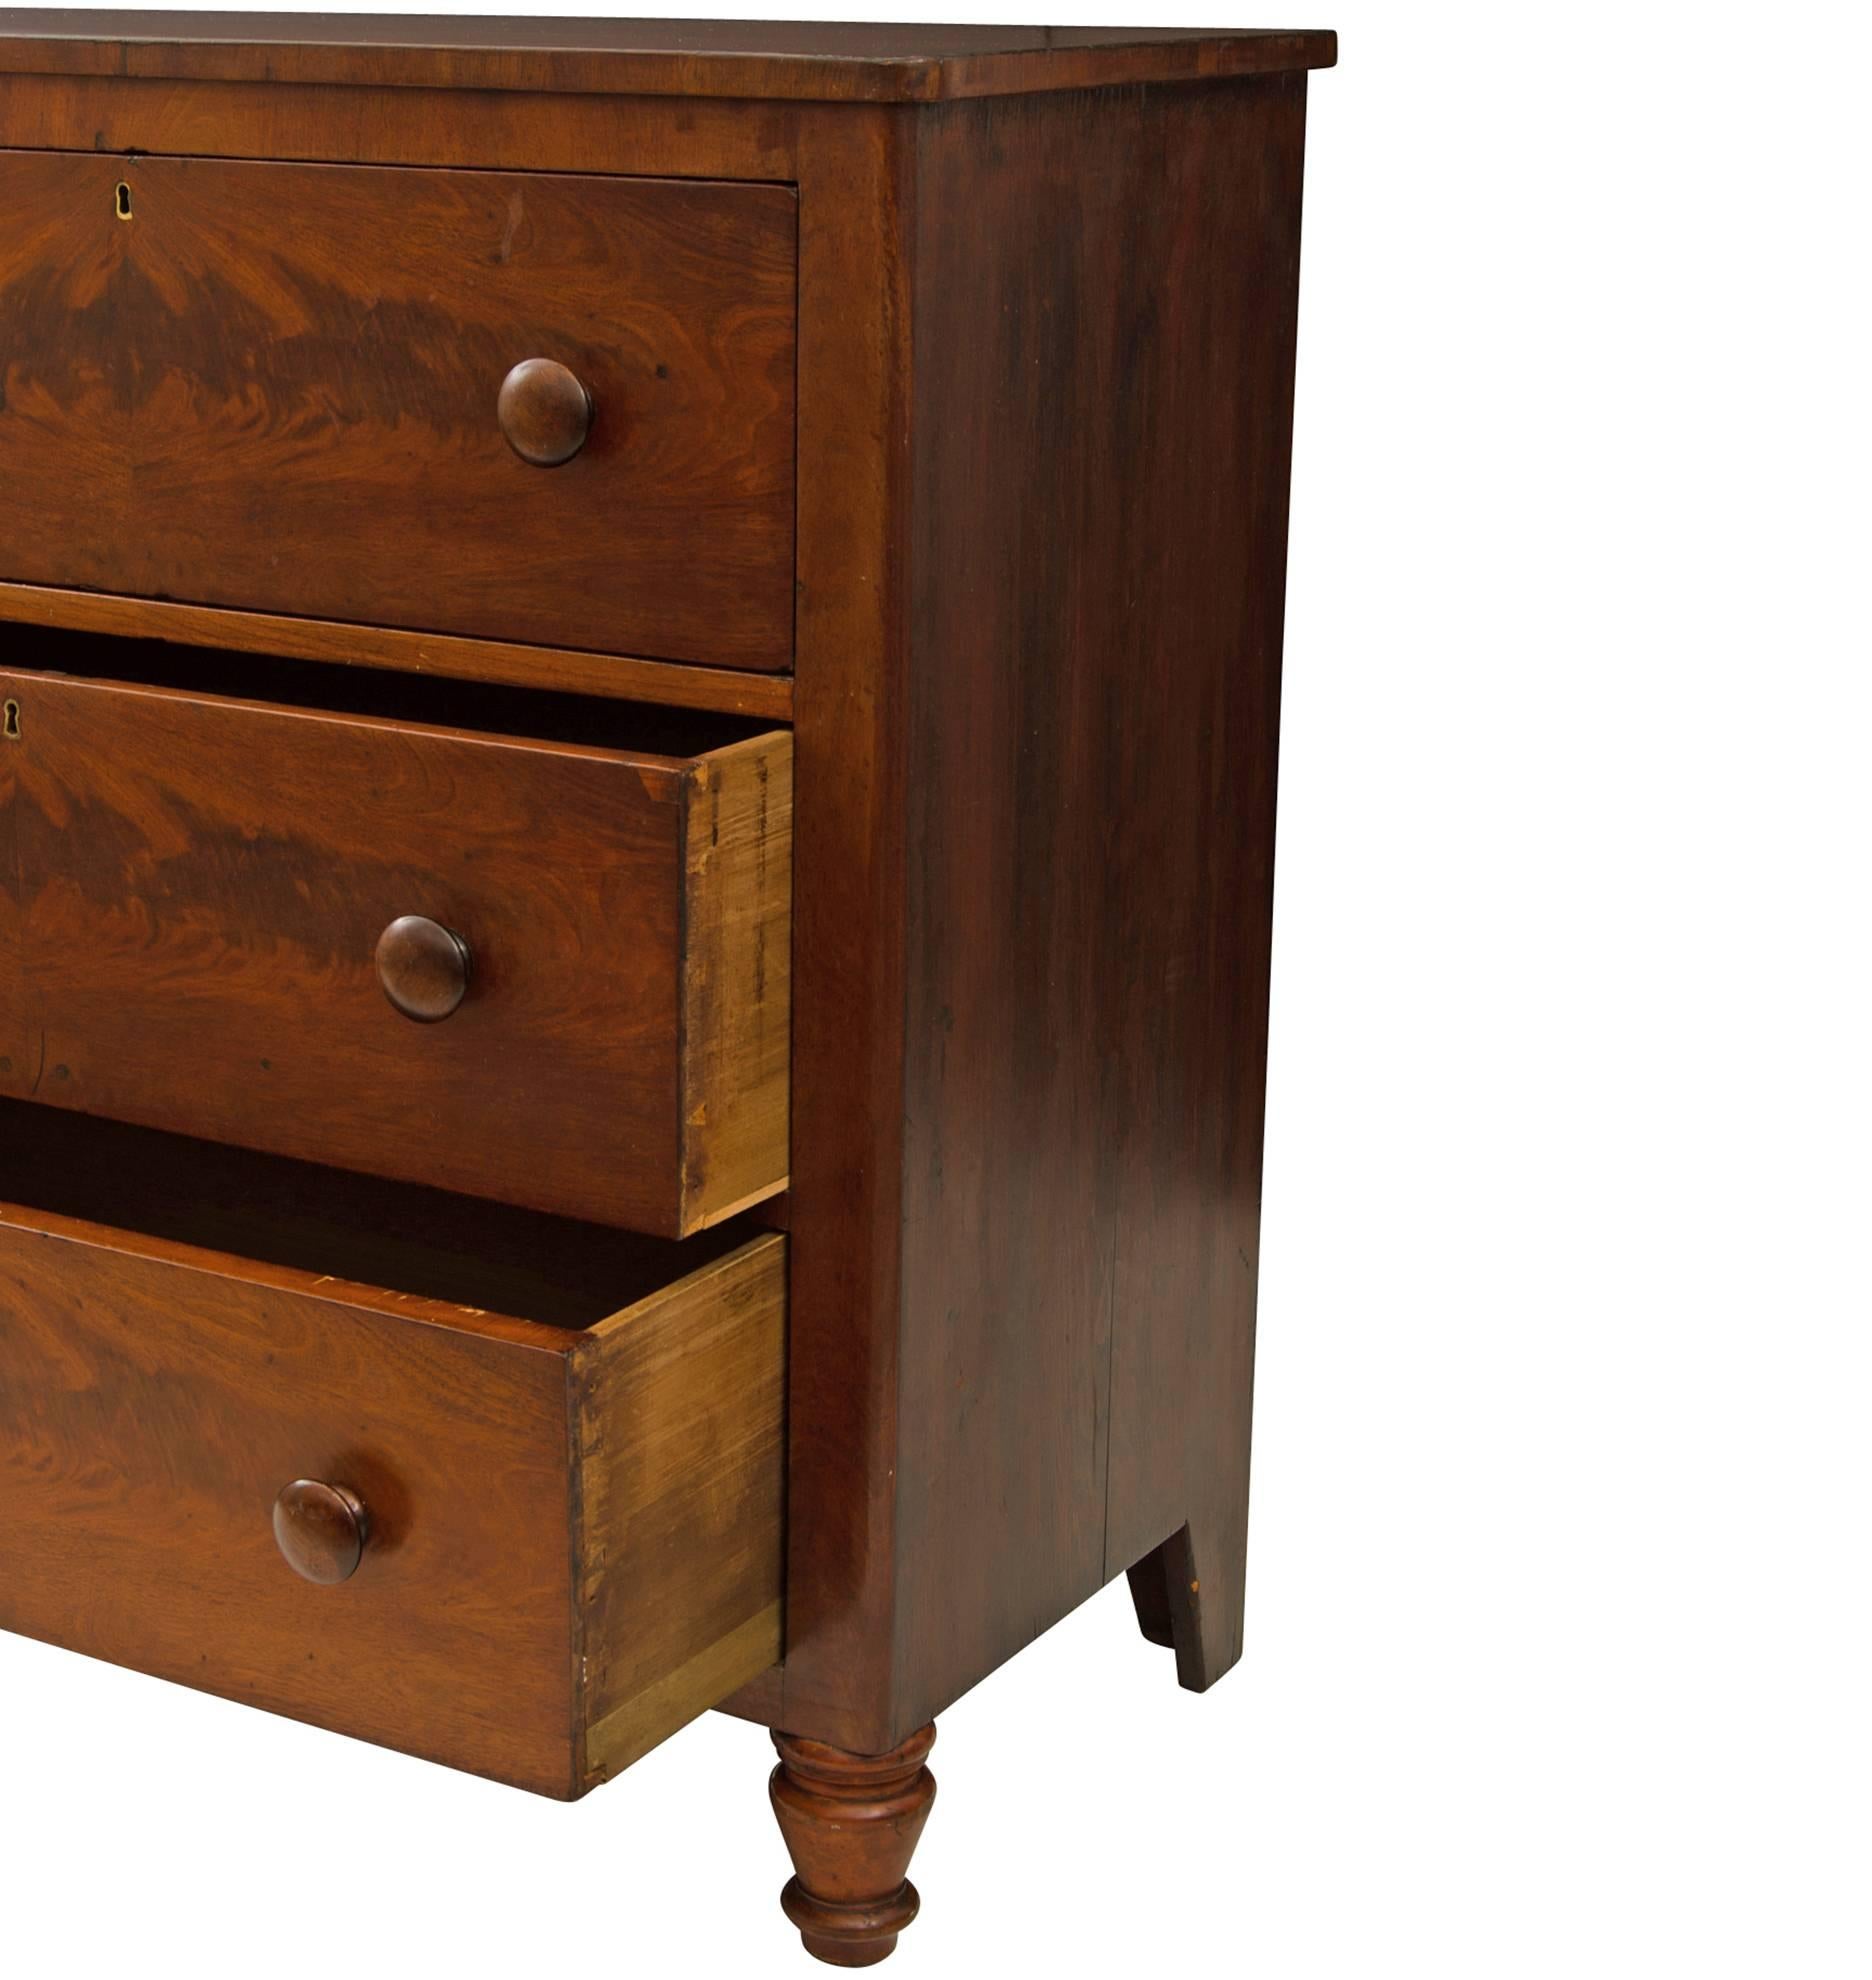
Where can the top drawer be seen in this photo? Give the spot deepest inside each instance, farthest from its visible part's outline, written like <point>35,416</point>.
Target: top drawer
<point>280,387</point>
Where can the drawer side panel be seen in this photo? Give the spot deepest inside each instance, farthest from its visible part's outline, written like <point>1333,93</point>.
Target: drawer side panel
<point>681,1430</point>
<point>737,977</point>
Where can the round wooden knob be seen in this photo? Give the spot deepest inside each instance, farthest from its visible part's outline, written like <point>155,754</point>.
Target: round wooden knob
<point>544,412</point>
<point>321,1529</point>
<point>424,968</point>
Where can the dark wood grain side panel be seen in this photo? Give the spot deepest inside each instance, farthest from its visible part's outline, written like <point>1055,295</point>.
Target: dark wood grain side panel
<point>1104,307</point>
<point>202,887</point>
<point>274,386</point>
<point>152,1406</point>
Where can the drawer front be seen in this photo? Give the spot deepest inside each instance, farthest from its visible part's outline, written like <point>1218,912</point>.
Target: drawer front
<point>279,386</point>
<point>199,896</point>
<point>559,1545</point>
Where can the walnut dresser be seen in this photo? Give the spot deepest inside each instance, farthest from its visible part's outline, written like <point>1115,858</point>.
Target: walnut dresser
<point>640,668</point>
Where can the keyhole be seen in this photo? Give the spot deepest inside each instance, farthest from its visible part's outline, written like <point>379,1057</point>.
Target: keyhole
<point>12,722</point>
<point>123,201</point>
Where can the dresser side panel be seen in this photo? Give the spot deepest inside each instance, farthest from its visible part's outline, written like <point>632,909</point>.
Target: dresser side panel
<point>1105,291</point>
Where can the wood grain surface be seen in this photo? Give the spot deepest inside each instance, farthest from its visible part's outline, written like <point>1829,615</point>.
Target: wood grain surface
<point>737,975</point>
<point>274,386</point>
<point>680,1412</point>
<point>1044,353</point>
<point>574,1513</point>
<point>153,1402</point>
<point>721,690</point>
<point>852,1822</point>
<point>842,62</point>
<point>196,886</point>
<point>1104,379</point>
<point>845,1200</point>
<point>1033,940</point>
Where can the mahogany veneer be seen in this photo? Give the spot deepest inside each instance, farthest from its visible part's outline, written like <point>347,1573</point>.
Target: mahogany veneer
<point>252,356</point>
<point>565,1535</point>
<point>217,922</point>
<point>641,681</point>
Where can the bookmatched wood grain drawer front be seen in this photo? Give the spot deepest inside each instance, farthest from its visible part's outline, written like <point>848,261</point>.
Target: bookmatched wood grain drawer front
<point>521,406</point>
<point>531,1544</point>
<point>546,972</point>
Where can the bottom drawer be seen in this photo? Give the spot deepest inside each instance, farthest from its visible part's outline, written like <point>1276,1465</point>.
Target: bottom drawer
<point>539,1462</point>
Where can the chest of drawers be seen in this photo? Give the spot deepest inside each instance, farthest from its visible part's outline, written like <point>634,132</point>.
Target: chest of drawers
<point>641,670</point>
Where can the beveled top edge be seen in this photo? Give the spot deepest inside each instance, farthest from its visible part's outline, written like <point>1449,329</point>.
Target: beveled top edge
<point>797,60</point>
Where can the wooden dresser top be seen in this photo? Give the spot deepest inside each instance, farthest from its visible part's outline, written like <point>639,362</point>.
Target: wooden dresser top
<point>760,59</point>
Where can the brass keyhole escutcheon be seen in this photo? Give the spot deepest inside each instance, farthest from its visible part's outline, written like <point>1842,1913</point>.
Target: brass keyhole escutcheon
<point>11,730</point>
<point>123,200</point>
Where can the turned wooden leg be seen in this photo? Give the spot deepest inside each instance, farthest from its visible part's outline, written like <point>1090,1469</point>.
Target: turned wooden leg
<point>851,1824</point>
<point>1190,1597</point>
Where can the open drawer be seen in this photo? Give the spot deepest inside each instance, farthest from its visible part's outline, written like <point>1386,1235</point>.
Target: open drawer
<point>532,1468</point>
<point>544,959</point>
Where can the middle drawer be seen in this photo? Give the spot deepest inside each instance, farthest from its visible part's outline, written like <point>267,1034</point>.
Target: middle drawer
<point>543,971</point>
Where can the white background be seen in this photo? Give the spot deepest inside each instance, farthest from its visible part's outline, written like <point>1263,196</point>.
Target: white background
<point>1558,1656</point>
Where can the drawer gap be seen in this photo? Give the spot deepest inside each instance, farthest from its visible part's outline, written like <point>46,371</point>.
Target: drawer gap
<point>477,706</point>
<point>401,1237</point>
